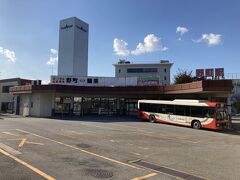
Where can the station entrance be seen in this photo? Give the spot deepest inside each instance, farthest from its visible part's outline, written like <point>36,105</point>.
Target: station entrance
<point>94,105</point>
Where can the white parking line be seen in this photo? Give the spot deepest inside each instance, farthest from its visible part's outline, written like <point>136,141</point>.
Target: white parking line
<point>9,149</point>
<point>9,133</point>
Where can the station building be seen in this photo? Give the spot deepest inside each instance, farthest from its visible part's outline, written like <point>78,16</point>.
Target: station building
<point>73,92</point>
<point>53,99</point>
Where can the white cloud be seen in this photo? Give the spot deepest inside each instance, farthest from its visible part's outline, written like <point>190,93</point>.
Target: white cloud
<point>120,47</point>
<point>53,51</point>
<point>151,43</point>
<point>211,39</point>
<point>53,57</point>
<point>10,55</point>
<point>52,61</point>
<point>181,30</point>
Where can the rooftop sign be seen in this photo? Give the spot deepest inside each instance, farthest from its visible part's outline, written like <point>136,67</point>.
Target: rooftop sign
<point>67,26</point>
<point>211,72</point>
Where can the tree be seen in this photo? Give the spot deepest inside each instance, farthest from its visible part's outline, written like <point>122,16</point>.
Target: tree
<point>183,76</point>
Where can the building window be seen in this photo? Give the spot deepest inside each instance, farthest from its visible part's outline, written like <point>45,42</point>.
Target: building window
<point>95,81</point>
<point>142,70</point>
<point>165,78</point>
<point>119,70</point>
<point>89,81</point>
<point>5,89</point>
<point>7,106</point>
<point>165,70</point>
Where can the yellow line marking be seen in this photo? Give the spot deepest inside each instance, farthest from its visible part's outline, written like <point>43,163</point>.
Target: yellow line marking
<point>145,177</point>
<point>8,133</point>
<point>25,141</point>
<point>22,142</point>
<point>27,165</point>
<point>82,150</point>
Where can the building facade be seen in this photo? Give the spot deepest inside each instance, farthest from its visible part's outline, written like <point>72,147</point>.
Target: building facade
<point>54,100</point>
<point>160,70</point>
<point>7,99</point>
<point>73,47</point>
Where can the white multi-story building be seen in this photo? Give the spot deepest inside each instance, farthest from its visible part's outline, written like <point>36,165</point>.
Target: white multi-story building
<point>144,70</point>
<point>73,47</point>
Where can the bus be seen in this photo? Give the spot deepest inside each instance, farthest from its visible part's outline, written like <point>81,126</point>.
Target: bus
<point>193,113</point>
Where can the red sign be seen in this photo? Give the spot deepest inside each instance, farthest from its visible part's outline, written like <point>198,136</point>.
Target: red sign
<point>209,72</point>
<point>200,72</point>
<point>219,72</point>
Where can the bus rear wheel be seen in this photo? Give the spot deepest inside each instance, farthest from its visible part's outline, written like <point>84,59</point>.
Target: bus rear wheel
<point>152,119</point>
<point>196,124</point>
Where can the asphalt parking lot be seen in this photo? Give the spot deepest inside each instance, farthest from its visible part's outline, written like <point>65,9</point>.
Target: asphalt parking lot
<point>101,147</point>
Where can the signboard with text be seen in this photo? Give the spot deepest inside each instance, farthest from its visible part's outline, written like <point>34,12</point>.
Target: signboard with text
<point>94,81</point>
<point>199,73</point>
<point>148,81</point>
<point>219,72</point>
<point>209,72</point>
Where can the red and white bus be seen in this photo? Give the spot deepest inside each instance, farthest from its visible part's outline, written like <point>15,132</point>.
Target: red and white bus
<point>193,113</point>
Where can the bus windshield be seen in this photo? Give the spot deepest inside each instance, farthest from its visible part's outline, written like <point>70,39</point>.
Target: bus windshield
<point>221,114</point>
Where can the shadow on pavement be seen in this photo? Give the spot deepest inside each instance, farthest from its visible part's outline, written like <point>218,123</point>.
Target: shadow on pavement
<point>97,118</point>
<point>235,130</point>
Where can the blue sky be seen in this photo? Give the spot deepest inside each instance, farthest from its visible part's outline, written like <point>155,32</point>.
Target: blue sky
<point>29,29</point>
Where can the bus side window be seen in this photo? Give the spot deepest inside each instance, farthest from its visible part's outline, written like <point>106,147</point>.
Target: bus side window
<point>180,110</point>
<point>143,107</point>
<point>152,107</point>
<point>170,109</point>
<point>187,111</point>
<point>196,111</point>
<point>161,108</point>
<point>208,112</point>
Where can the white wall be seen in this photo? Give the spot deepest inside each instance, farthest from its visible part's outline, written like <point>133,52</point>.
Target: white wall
<point>25,102</point>
<point>46,105</point>
<point>160,71</point>
<point>39,105</point>
<point>73,47</point>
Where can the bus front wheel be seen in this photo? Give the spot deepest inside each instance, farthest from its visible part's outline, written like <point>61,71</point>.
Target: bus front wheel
<point>152,119</point>
<point>196,124</point>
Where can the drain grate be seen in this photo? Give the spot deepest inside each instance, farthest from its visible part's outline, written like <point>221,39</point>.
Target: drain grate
<point>83,145</point>
<point>99,173</point>
<point>169,171</point>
